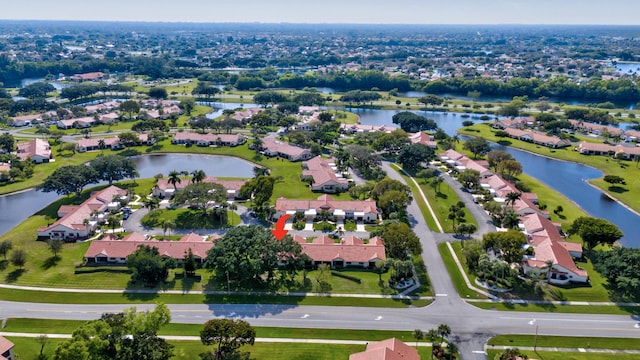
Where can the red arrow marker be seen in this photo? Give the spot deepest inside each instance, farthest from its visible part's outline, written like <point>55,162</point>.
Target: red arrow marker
<point>279,232</point>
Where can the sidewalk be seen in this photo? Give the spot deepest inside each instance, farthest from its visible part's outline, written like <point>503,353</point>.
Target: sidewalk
<point>197,338</point>
<point>180,292</point>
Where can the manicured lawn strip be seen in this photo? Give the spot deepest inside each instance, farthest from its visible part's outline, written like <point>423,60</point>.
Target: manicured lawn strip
<point>441,203</point>
<point>456,276</point>
<point>548,355</point>
<point>75,298</point>
<point>624,169</point>
<point>193,218</point>
<point>431,223</point>
<point>566,342</point>
<point>569,309</point>
<point>68,326</point>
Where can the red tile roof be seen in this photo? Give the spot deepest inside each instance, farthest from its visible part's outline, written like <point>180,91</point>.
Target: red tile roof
<point>321,172</point>
<point>326,202</point>
<point>164,184</point>
<point>174,249</point>
<point>351,249</point>
<point>390,349</point>
<point>27,150</point>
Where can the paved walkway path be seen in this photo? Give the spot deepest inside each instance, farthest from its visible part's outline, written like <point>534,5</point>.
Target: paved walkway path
<point>197,338</point>
<point>559,349</point>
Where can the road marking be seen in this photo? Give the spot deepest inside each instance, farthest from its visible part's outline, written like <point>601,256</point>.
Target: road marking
<point>581,350</point>
<point>637,326</point>
<point>442,295</point>
<point>378,318</point>
<point>532,322</point>
<point>479,352</point>
<point>566,320</point>
<point>304,316</point>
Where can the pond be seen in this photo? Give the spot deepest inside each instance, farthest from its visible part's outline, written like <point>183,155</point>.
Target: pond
<point>567,178</point>
<point>31,201</point>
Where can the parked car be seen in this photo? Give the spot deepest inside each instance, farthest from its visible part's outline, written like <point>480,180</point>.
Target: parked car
<point>125,216</point>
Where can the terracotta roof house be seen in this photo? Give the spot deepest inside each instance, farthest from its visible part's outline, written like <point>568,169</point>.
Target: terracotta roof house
<point>356,128</point>
<point>77,222</point>
<point>423,138</point>
<point>450,156</point>
<point>309,122</point>
<point>515,123</point>
<point>537,138</point>
<point>246,113</point>
<point>632,135</point>
<point>108,118</point>
<point>273,147</point>
<point>93,144</point>
<point>595,129</point>
<point>164,189</point>
<point>323,175</point>
<point>77,123</point>
<point>110,250</point>
<point>163,113</point>
<point>390,349</point>
<point>549,247</point>
<point>524,206</point>
<point>6,349</point>
<point>24,120</point>
<point>39,151</point>
<point>360,210</point>
<point>468,164</point>
<point>187,137</point>
<point>92,76</point>
<point>351,251</point>
<point>628,152</point>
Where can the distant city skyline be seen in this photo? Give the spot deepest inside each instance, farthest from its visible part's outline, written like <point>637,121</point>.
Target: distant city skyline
<point>571,12</point>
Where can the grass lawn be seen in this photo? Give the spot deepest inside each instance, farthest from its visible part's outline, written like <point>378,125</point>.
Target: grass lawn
<point>569,309</point>
<point>456,276</point>
<point>629,193</point>
<point>424,209</point>
<point>566,342</point>
<point>68,326</point>
<point>547,355</point>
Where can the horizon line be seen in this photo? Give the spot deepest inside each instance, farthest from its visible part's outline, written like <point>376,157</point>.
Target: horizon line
<point>311,23</point>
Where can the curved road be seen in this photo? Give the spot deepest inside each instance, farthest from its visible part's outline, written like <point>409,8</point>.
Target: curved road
<point>471,326</point>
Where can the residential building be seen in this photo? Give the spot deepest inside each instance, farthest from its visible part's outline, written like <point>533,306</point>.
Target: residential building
<point>93,144</point>
<point>626,152</point>
<point>78,222</point>
<point>349,252</point>
<point>187,137</point>
<point>272,147</point>
<point>460,162</point>
<point>359,210</point>
<point>323,175</point>
<point>77,123</point>
<point>164,189</point>
<point>356,128</point>
<point>551,253</point>
<point>111,250</point>
<point>537,138</point>
<point>6,349</point>
<point>38,150</point>
<point>423,138</point>
<point>596,129</point>
<point>390,349</point>
<point>92,76</point>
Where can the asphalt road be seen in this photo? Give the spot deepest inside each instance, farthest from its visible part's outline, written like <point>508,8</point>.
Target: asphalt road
<point>471,326</point>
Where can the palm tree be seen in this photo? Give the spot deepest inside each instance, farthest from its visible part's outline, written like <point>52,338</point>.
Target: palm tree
<point>167,225</point>
<point>436,182</point>
<point>198,176</point>
<point>101,144</point>
<point>114,221</point>
<point>174,178</point>
<point>418,335</point>
<point>444,331</point>
<point>232,207</point>
<point>452,349</point>
<point>511,198</point>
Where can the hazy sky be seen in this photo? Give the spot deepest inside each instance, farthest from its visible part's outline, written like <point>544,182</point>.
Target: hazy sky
<point>616,12</point>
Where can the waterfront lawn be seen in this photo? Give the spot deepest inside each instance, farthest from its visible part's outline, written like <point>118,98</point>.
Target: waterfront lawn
<point>629,170</point>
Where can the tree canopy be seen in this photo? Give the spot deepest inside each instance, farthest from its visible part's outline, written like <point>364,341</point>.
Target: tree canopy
<point>228,335</point>
<point>620,267</point>
<point>70,179</point>
<point>201,195</point>
<point>411,122</point>
<point>399,241</point>
<point>112,168</point>
<point>595,231</point>
<point>477,146</point>
<point>412,156</point>
<point>510,242</point>
<point>245,254</point>
<point>148,266</point>
<point>129,335</point>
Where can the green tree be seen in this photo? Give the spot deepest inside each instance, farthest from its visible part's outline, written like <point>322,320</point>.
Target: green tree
<point>130,107</point>
<point>36,90</point>
<point>510,242</point>
<point>55,246</point>
<point>70,179</point>
<point>412,156</point>
<point>512,354</point>
<point>620,267</point>
<point>187,106</point>
<point>477,146</point>
<point>148,266</point>
<point>189,264</point>
<point>174,178</point>
<point>5,247</point>
<point>18,258</point>
<point>444,331</point>
<point>432,100</point>
<point>201,195</point>
<point>594,231</point>
<point>7,142</point>
<point>112,168</point>
<point>614,179</point>
<point>399,240</point>
<point>198,176</point>
<point>469,178</point>
<point>228,335</point>
<point>393,201</point>
<point>418,335</point>
<point>246,253</point>
<point>158,93</point>
<point>496,157</point>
